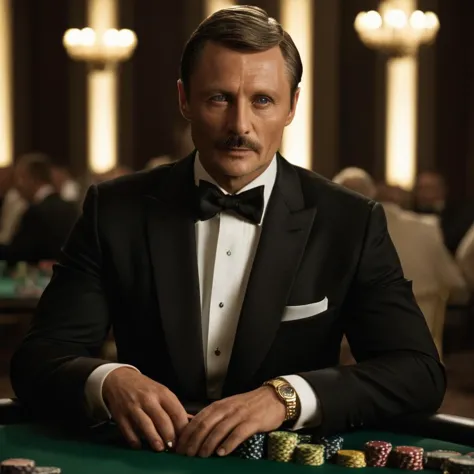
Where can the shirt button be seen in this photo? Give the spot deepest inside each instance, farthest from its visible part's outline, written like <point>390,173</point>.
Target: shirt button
<point>217,352</point>
<point>221,305</point>
<point>229,253</point>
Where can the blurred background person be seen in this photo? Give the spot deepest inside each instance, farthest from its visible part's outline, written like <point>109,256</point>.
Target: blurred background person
<point>419,244</point>
<point>465,257</point>
<point>45,225</point>
<point>64,183</point>
<point>431,196</point>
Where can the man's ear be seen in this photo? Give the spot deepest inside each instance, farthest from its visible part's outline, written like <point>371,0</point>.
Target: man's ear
<point>291,114</point>
<point>183,101</point>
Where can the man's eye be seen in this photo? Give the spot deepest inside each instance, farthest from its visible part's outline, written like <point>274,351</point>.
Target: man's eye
<point>219,98</point>
<point>263,100</point>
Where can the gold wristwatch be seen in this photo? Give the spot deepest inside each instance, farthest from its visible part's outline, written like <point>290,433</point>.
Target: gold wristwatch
<point>287,394</point>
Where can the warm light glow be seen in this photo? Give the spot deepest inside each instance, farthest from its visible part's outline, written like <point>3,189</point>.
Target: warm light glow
<point>211,6</point>
<point>401,121</point>
<point>398,29</point>
<point>296,19</point>
<point>102,93</point>
<point>106,47</point>
<point>6,119</point>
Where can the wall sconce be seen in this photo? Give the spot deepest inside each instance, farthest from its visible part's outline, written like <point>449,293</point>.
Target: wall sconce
<point>100,50</point>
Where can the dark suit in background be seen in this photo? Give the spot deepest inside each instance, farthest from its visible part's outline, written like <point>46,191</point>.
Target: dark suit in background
<point>131,262</point>
<point>42,230</point>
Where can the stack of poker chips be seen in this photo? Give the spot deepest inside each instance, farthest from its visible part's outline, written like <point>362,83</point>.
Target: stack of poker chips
<point>407,457</point>
<point>437,459</point>
<point>305,438</point>
<point>281,446</point>
<point>252,448</point>
<point>17,466</point>
<point>309,454</point>
<point>460,465</point>
<point>351,458</point>
<point>377,453</point>
<point>331,445</point>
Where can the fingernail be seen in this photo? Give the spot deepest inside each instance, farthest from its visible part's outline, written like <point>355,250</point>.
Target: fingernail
<point>159,447</point>
<point>170,444</point>
<point>221,452</point>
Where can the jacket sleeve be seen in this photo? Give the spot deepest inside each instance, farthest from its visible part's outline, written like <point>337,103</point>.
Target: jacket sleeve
<point>51,366</point>
<point>398,369</point>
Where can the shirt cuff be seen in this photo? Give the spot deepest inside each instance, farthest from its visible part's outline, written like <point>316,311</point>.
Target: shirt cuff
<point>95,405</point>
<point>310,413</point>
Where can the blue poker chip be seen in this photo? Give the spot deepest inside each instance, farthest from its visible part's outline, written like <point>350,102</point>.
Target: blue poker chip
<point>252,448</point>
<point>332,445</point>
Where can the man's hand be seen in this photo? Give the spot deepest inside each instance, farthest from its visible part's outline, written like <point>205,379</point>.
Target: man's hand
<point>227,423</point>
<point>143,408</point>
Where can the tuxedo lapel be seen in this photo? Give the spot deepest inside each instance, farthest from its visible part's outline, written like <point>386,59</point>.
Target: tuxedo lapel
<point>285,231</point>
<point>172,247</point>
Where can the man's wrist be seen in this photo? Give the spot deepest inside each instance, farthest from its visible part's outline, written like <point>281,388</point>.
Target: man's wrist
<point>287,395</point>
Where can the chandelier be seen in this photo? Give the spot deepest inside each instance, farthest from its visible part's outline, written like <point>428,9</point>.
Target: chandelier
<point>100,50</point>
<point>395,32</point>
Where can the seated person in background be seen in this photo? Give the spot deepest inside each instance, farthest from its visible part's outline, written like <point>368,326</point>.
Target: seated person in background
<point>419,244</point>
<point>229,279</point>
<point>431,196</point>
<point>67,187</point>
<point>47,221</point>
<point>465,257</point>
<point>13,206</point>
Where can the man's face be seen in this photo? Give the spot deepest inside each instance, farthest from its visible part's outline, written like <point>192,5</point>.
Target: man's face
<point>238,106</point>
<point>24,183</point>
<point>430,191</point>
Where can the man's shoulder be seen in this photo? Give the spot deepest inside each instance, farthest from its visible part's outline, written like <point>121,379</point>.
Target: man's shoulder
<point>135,184</point>
<point>323,193</point>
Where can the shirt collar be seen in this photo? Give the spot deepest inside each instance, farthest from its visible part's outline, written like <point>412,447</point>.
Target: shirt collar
<point>266,179</point>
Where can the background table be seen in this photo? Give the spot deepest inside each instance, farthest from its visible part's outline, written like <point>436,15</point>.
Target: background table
<point>86,455</point>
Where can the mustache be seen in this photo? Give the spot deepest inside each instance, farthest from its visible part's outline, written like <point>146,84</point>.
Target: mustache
<point>238,141</point>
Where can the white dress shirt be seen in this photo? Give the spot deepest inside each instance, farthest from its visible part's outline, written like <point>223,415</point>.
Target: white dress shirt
<point>226,246</point>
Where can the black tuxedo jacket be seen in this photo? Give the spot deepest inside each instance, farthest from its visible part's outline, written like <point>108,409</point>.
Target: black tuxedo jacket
<point>42,230</point>
<point>130,262</point>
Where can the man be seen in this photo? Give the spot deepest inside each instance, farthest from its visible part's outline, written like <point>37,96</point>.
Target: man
<point>431,197</point>
<point>419,244</point>
<point>465,257</point>
<point>46,223</point>
<point>227,270</point>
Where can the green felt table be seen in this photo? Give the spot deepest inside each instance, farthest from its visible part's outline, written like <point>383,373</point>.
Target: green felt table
<point>89,456</point>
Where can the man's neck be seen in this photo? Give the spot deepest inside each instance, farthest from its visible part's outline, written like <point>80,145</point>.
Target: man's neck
<point>232,184</point>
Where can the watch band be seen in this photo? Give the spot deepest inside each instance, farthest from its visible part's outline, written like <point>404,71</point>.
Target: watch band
<point>288,397</point>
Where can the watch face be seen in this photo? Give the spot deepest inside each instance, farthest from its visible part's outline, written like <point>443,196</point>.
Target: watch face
<point>287,391</point>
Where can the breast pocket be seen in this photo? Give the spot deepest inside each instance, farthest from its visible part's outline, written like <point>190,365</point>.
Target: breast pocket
<point>297,313</point>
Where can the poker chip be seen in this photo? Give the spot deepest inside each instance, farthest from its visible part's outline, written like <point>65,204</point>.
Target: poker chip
<point>281,446</point>
<point>407,457</point>
<point>470,454</point>
<point>351,458</point>
<point>305,438</point>
<point>47,470</point>
<point>309,454</point>
<point>437,459</point>
<point>331,445</point>
<point>252,448</point>
<point>17,466</point>
<point>460,465</point>
<point>377,453</point>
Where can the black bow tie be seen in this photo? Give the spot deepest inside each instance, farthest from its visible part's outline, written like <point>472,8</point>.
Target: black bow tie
<point>211,201</point>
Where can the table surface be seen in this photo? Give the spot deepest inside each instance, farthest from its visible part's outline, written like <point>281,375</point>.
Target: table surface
<point>74,455</point>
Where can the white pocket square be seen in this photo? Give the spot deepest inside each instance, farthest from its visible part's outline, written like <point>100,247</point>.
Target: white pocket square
<point>293,313</point>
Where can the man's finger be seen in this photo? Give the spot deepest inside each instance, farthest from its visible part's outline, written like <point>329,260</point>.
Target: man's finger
<point>197,430</point>
<point>128,432</point>
<point>215,438</point>
<point>178,417</point>
<point>241,433</point>
<point>147,428</point>
<point>163,424</point>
